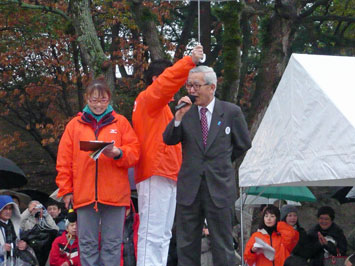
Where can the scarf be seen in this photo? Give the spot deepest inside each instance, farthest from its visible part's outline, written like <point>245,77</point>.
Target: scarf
<point>108,118</point>
<point>269,230</point>
<point>10,235</point>
<point>98,117</point>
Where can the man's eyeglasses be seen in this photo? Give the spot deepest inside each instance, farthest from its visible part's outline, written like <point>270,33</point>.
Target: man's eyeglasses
<point>102,101</point>
<point>197,87</point>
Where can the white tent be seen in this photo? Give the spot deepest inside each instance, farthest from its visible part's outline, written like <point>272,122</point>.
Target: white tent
<point>307,135</point>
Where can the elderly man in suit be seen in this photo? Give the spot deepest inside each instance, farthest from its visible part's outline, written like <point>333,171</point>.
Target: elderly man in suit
<point>213,134</point>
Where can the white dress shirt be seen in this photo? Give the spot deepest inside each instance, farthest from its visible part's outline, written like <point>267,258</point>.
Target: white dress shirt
<point>209,112</point>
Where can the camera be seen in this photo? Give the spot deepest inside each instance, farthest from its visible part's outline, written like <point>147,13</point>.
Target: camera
<point>38,209</point>
<point>39,206</point>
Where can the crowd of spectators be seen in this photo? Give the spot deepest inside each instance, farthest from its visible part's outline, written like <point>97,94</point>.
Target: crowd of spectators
<point>57,242</point>
<point>38,235</point>
<point>324,243</point>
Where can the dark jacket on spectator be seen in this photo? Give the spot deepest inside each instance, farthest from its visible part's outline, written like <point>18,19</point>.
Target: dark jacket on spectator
<point>336,242</point>
<point>60,222</point>
<point>304,246</point>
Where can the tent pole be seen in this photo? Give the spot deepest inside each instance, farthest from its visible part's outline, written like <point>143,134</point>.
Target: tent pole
<point>198,22</point>
<point>241,224</point>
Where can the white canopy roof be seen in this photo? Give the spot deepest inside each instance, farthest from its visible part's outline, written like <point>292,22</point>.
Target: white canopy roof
<point>307,135</point>
<point>351,194</point>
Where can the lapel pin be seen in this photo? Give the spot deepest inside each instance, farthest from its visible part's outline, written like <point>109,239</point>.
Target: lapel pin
<point>228,130</point>
<point>219,123</point>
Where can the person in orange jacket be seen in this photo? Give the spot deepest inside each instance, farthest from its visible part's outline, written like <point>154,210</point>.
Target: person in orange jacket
<point>279,235</point>
<point>99,189</point>
<point>159,164</point>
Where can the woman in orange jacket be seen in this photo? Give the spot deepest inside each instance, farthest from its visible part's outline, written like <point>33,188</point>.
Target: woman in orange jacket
<point>99,189</point>
<point>279,235</point>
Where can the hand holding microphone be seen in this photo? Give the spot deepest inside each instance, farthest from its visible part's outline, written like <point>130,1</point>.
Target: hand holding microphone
<point>183,106</point>
<point>183,103</point>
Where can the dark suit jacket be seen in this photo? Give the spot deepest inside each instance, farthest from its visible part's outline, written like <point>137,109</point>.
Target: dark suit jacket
<point>228,138</point>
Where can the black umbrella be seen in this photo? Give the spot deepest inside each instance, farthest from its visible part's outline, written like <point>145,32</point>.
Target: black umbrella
<point>11,175</point>
<point>42,197</point>
<point>341,194</point>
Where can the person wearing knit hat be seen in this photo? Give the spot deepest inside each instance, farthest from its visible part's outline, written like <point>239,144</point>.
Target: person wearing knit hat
<point>286,209</point>
<point>303,249</point>
<point>72,216</point>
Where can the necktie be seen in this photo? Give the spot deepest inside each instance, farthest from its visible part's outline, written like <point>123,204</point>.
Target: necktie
<point>204,125</point>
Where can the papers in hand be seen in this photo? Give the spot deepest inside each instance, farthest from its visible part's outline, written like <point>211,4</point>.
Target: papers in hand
<point>265,248</point>
<point>96,146</point>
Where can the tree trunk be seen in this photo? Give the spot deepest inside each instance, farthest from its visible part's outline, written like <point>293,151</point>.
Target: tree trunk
<point>145,21</point>
<point>91,51</point>
<point>274,58</point>
<point>186,31</point>
<point>230,16</point>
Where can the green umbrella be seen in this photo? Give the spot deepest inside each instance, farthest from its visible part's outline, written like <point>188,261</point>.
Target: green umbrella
<point>284,193</point>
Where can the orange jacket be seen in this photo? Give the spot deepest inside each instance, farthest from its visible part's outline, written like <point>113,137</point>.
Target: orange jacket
<point>104,180</point>
<point>283,241</point>
<point>151,115</point>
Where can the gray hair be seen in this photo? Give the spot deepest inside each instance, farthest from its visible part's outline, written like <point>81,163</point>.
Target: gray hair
<point>209,74</point>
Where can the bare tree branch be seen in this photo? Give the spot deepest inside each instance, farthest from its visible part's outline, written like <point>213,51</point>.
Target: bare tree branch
<point>330,18</point>
<point>310,10</point>
<point>251,9</point>
<point>186,31</point>
<point>39,7</point>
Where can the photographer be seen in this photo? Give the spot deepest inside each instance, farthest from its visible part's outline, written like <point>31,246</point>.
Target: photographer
<point>37,216</point>
<point>34,214</point>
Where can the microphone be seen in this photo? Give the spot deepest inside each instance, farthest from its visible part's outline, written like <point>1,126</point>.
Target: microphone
<point>183,104</point>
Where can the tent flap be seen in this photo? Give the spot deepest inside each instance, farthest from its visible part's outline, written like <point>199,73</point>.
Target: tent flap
<point>307,135</point>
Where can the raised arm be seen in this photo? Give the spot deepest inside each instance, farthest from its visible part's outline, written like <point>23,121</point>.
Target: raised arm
<point>289,236</point>
<point>168,83</point>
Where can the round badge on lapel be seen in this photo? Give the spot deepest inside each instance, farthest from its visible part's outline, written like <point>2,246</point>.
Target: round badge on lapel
<point>227,130</point>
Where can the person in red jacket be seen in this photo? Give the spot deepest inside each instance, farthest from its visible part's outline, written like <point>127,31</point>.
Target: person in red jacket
<point>278,235</point>
<point>65,248</point>
<point>99,189</point>
<point>159,164</point>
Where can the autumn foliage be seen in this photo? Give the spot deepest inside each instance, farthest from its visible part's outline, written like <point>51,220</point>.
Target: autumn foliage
<point>44,68</point>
